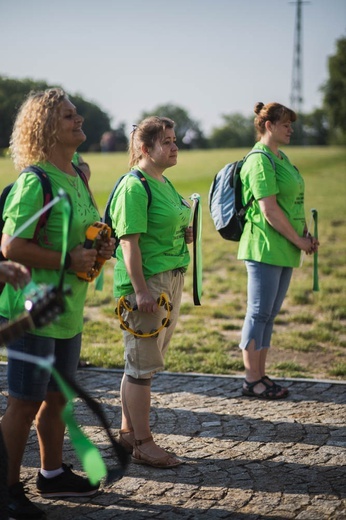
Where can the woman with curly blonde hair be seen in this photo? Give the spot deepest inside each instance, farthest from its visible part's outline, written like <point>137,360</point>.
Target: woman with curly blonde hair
<point>46,133</point>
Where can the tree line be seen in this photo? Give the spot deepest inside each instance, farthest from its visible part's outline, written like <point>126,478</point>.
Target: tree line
<point>323,126</point>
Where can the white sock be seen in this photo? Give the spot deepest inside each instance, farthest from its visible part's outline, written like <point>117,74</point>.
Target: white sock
<point>51,473</point>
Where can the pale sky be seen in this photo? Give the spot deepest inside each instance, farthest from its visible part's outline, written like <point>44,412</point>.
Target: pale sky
<point>210,57</point>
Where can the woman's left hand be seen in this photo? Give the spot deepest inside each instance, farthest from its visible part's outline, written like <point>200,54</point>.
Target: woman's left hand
<point>107,248</point>
<point>15,274</point>
<point>189,235</point>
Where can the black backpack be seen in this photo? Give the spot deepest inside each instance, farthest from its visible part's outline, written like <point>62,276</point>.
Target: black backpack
<point>47,197</point>
<point>225,199</point>
<point>106,216</point>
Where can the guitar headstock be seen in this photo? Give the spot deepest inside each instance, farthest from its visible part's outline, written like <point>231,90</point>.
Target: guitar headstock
<point>44,304</point>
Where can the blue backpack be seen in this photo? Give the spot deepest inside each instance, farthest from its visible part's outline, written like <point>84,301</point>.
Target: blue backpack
<point>225,199</point>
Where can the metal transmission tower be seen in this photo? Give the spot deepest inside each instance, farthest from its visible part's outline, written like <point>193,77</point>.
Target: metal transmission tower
<point>297,73</point>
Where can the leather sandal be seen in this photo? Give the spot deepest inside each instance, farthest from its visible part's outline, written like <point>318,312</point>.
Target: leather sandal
<point>128,446</point>
<point>138,457</point>
<point>270,392</point>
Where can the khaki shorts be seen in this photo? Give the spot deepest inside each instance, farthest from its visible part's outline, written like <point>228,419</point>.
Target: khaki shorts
<point>145,356</point>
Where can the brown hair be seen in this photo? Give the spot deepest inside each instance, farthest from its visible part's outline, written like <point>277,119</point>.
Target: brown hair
<point>272,112</point>
<point>147,132</point>
<point>35,127</point>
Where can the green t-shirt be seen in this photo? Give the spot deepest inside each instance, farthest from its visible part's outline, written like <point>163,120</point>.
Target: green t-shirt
<point>25,199</point>
<point>161,228</point>
<point>260,241</point>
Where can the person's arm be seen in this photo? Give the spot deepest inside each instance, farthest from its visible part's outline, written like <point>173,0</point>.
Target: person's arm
<point>32,255</point>
<point>133,263</point>
<point>278,220</point>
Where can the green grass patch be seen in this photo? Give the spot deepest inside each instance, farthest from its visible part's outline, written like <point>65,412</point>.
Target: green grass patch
<point>207,336</point>
<point>289,369</point>
<point>339,370</point>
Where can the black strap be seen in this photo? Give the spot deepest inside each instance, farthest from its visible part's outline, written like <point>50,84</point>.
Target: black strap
<point>145,183</point>
<point>47,195</point>
<point>244,209</point>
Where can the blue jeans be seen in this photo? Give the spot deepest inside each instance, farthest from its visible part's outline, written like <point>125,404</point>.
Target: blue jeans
<point>266,290</point>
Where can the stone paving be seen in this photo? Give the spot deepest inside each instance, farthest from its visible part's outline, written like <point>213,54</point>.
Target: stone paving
<point>245,458</point>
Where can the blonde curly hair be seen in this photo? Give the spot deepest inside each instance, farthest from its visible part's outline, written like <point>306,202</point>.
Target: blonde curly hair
<point>35,127</point>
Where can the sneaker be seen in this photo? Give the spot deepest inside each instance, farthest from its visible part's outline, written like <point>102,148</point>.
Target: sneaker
<point>67,484</point>
<point>20,507</point>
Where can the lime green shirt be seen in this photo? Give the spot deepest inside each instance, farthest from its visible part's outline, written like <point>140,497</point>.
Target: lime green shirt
<point>260,241</point>
<point>161,228</point>
<point>25,199</point>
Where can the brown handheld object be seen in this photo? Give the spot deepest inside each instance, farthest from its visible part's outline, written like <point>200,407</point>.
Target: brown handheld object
<point>95,234</point>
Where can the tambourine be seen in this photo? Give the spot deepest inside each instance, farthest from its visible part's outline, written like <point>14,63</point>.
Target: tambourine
<point>95,234</point>
<point>124,304</point>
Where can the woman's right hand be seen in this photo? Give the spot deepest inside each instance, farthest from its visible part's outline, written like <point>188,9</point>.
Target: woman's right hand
<point>308,244</point>
<point>145,302</point>
<point>82,259</point>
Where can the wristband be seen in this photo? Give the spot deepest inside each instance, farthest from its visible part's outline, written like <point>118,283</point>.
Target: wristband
<point>68,261</point>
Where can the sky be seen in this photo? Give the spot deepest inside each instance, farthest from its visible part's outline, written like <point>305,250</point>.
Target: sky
<point>210,57</point>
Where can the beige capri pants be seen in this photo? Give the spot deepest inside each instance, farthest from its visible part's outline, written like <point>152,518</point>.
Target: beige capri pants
<point>145,356</point>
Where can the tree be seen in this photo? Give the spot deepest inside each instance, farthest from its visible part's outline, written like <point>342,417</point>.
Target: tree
<point>315,128</point>
<point>13,93</point>
<point>335,94</point>
<point>237,131</point>
<point>188,132</point>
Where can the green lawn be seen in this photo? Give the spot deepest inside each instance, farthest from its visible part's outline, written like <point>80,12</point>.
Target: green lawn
<point>309,338</point>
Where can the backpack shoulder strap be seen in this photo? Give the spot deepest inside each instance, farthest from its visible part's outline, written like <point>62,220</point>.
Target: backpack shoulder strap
<point>81,175</point>
<point>47,195</point>
<point>136,173</point>
<point>263,152</point>
<point>140,176</point>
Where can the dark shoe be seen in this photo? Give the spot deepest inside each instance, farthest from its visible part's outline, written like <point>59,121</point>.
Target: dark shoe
<point>67,484</point>
<point>270,391</point>
<point>266,379</point>
<point>20,507</point>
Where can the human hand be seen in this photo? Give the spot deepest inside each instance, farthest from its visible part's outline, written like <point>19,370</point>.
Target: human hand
<point>146,303</point>
<point>106,248</point>
<point>15,274</point>
<point>309,244</point>
<point>82,259</point>
<point>189,235</point>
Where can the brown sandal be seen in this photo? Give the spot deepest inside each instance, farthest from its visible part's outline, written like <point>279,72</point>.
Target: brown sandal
<point>139,457</point>
<point>128,446</point>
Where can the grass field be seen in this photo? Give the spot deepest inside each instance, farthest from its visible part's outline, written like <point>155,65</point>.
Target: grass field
<point>309,336</point>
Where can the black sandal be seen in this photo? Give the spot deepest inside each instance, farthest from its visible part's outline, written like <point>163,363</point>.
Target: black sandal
<point>272,383</point>
<point>270,392</point>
